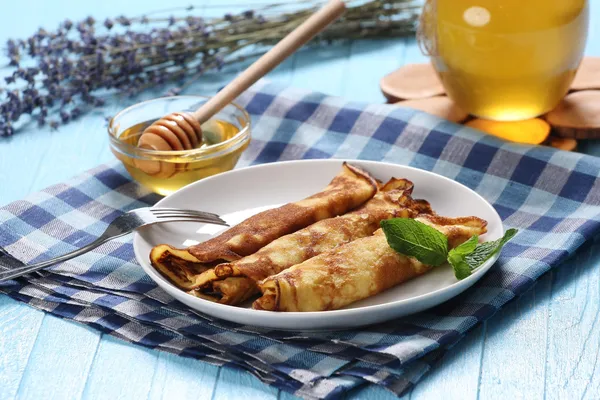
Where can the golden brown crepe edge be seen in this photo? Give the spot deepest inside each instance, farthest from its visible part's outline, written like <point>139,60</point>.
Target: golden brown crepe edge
<point>365,175</point>
<point>229,271</point>
<point>218,248</point>
<point>162,255</point>
<point>271,289</point>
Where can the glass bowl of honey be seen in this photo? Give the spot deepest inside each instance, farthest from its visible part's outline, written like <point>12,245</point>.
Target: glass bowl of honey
<point>224,138</point>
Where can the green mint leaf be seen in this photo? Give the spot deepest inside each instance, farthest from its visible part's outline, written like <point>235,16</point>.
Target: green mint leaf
<point>460,266</point>
<point>456,257</point>
<point>416,239</point>
<point>467,247</point>
<point>470,255</point>
<point>486,250</point>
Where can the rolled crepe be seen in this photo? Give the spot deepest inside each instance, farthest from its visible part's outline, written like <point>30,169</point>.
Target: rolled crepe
<point>349,189</point>
<point>354,271</point>
<point>234,282</point>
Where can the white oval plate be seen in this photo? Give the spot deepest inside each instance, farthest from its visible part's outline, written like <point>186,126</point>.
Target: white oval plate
<point>238,194</point>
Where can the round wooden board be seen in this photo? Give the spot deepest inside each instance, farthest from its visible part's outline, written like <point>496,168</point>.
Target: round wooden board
<point>560,143</point>
<point>577,116</point>
<point>412,81</point>
<point>529,131</point>
<point>440,106</point>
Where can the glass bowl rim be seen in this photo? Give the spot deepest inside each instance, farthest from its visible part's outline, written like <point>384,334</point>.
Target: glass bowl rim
<point>209,151</point>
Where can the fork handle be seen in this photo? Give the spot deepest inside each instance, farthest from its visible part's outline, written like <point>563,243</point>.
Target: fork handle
<point>20,271</point>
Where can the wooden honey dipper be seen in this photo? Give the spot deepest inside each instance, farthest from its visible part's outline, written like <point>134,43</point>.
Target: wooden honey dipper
<point>182,130</point>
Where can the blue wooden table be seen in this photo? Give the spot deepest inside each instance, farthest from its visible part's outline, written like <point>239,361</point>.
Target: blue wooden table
<point>544,345</point>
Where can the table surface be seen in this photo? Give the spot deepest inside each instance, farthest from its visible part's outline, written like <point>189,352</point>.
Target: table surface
<point>544,344</point>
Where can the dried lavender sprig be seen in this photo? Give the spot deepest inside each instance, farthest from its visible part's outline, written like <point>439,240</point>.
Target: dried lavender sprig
<point>58,75</point>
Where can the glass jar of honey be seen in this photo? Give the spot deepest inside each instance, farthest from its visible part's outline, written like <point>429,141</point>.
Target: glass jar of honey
<point>224,138</point>
<point>505,59</point>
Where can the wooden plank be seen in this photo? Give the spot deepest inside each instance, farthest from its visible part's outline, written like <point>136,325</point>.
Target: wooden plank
<point>234,384</point>
<point>514,355</point>
<point>457,374</point>
<point>413,52</point>
<point>374,392</point>
<point>322,69</point>
<point>59,343</point>
<point>182,378</point>
<point>369,61</point>
<point>286,396</point>
<point>120,371</point>
<point>593,40</point>
<point>574,329</point>
<point>455,377</point>
<point>19,326</point>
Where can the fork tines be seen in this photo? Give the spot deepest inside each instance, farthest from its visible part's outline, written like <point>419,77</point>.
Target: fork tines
<point>187,215</point>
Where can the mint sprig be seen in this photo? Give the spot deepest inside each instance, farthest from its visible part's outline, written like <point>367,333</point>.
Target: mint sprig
<point>456,257</point>
<point>428,245</point>
<point>415,239</point>
<point>464,261</point>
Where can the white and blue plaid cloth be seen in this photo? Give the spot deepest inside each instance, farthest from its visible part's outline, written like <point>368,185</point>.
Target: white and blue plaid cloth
<point>553,197</point>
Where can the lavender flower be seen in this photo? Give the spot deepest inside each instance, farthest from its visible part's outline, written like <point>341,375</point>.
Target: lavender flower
<point>75,112</point>
<point>67,25</point>
<point>6,129</point>
<point>64,116</point>
<point>108,23</point>
<point>124,21</point>
<point>57,75</point>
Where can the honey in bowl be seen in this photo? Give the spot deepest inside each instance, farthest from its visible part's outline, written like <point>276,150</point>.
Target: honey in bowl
<point>506,59</point>
<point>224,138</point>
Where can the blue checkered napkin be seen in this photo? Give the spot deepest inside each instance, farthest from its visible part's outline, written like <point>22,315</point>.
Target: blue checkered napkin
<point>551,196</point>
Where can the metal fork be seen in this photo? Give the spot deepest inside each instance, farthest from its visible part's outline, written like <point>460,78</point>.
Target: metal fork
<point>120,226</point>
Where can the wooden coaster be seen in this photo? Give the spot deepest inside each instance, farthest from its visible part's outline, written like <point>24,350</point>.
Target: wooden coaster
<point>441,106</point>
<point>412,81</point>
<point>418,86</point>
<point>588,74</point>
<point>577,116</point>
<point>529,131</point>
<point>566,144</point>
